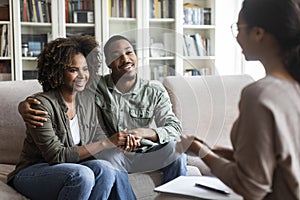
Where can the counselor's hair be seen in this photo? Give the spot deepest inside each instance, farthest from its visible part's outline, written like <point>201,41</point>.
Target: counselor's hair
<point>281,18</point>
<point>58,55</point>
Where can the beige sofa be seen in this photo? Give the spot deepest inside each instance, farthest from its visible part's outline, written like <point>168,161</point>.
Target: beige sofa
<point>206,106</point>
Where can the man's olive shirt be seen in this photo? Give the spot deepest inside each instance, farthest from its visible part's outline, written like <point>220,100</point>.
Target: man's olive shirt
<point>138,108</point>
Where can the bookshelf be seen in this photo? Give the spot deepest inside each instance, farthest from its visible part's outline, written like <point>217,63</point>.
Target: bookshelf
<point>199,28</point>
<point>158,33</point>
<point>34,25</point>
<point>6,47</point>
<point>38,21</point>
<point>156,28</point>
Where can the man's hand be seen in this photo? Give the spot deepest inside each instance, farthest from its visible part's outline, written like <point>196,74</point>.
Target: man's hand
<point>125,141</point>
<point>146,133</point>
<point>31,116</point>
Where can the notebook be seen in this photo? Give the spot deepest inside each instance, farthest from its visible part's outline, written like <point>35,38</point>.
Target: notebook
<point>186,185</point>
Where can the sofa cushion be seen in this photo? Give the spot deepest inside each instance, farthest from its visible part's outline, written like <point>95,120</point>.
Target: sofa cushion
<point>8,193</point>
<point>12,128</point>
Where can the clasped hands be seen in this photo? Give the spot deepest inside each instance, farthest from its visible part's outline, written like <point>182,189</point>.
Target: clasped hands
<point>128,140</point>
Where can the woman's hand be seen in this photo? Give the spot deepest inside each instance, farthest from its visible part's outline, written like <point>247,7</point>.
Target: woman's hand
<point>193,146</point>
<point>224,152</point>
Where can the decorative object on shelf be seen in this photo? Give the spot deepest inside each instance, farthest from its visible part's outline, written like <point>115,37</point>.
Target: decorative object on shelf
<point>83,16</point>
<point>24,49</point>
<point>34,43</point>
<point>157,50</point>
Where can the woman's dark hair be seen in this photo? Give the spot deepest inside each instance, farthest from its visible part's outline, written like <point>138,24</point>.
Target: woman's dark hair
<point>109,42</point>
<point>281,18</point>
<point>58,55</point>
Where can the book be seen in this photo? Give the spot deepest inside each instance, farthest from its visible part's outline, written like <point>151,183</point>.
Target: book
<point>3,41</point>
<point>133,9</point>
<point>199,44</point>
<point>186,185</point>
<point>190,45</point>
<point>34,11</point>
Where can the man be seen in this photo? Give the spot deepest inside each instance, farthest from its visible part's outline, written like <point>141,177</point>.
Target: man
<point>128,105</point>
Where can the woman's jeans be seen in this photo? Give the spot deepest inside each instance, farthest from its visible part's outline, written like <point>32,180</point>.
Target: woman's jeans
<point>93,179</point>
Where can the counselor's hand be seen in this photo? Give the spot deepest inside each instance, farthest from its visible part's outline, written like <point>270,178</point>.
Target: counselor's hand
<point>192,145</point>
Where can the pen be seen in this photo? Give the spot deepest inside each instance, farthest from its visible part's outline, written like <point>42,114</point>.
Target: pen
<point>212,189</point>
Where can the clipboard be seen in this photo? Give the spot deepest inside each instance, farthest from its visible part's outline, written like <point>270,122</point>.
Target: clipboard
<point>185,185</point>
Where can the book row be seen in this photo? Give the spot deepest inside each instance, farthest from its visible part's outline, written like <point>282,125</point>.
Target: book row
<point>161,8</point>
<point>196,15</point>
<point>36,11</point>
<point>160,71</point>
<point>195,45</point>
<point>122,8</point>
<point>79,11</point>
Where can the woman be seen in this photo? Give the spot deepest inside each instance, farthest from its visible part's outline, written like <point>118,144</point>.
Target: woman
<point>264,162</point>
<point>56,159</point>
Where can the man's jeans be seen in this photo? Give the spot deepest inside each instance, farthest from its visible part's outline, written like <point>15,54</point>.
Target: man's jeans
<point>94,179</point>
<point>162,157</point>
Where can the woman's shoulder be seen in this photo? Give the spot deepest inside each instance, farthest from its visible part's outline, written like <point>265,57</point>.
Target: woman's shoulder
<point>49,101</point>
<point>45,97</point>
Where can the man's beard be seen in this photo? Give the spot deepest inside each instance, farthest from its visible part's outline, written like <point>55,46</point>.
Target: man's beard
<point>128,76</point>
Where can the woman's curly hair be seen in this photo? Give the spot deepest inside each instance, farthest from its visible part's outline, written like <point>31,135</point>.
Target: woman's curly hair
<point>58,54</point>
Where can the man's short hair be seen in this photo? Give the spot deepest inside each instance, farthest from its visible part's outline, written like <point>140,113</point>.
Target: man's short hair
<point>109,42</point>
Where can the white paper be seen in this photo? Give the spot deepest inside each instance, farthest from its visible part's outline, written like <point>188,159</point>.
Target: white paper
<point>185,185</point>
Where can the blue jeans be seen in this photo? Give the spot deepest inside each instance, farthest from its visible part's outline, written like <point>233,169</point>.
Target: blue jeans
<point>162,157</point>
<point>93,179</point>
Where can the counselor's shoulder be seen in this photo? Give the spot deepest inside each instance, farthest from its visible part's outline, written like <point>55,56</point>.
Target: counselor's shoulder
<point>267,91</point>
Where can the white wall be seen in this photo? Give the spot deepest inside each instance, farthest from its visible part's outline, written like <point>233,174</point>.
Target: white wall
<point>228,56</point>
<point>229,59</point>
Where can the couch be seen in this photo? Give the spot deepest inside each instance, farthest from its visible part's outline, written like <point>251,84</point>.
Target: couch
<point>206,105</point>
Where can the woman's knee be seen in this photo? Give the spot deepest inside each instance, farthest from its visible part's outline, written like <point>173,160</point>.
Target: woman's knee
<point>101,168</point>
<point>83,175</point>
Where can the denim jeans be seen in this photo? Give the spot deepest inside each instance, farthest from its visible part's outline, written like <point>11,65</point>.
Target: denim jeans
<point>93,179</point>
<point>162,157</point>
